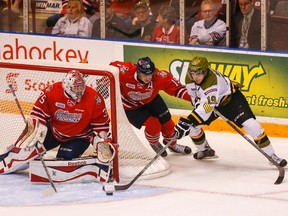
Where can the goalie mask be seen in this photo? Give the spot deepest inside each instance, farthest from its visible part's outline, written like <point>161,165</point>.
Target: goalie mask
<point>74,85</point>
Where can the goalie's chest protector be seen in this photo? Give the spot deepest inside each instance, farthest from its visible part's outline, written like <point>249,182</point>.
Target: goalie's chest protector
<point>71,118</point>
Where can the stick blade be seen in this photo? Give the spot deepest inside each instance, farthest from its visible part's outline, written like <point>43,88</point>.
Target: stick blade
<point>122,187</point>
<point>48,192</point>
<point>281,175</point>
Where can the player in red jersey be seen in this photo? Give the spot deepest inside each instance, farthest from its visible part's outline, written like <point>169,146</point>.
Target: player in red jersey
<point>140,85</point>
<point>67,114</point>
<point>73,112</point>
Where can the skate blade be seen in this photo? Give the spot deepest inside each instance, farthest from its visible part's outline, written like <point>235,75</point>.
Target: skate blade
<point>211,157</point>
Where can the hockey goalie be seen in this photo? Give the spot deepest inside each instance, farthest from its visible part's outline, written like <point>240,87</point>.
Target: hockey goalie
<point>69,116</point>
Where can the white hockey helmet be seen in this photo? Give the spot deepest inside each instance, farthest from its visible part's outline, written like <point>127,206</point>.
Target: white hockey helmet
<point>74,85</point>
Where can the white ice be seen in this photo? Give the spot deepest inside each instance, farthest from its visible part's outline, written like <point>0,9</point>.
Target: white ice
<point>239,183</point>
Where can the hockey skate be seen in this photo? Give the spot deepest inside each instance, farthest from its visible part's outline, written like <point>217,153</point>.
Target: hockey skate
<point>280,161</point>
<point>157,148</point>
<point>180,149</point>
<point>208,153</point>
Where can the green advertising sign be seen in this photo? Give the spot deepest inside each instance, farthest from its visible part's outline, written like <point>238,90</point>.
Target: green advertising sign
<point>264,77</point>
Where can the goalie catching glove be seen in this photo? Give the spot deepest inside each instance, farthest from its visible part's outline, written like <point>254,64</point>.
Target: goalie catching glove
<point>104,149</point>
<point>182,128</point>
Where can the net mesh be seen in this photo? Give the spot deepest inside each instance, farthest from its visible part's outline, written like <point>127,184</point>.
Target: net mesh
<point>28,80</point>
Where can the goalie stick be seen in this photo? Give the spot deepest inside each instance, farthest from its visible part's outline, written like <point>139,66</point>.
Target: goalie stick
<point>109,188</point>
<point>17,103</point>
<point>41,158</point>
<point>46,169</point>
<point>280,169</point>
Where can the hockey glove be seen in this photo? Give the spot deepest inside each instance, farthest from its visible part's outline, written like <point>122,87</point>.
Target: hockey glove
<point>105,152</point>
<point>182,128</point>
<point>104,149</point>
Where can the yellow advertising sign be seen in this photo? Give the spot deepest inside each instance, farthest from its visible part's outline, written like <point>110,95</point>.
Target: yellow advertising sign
<point>264,77</point>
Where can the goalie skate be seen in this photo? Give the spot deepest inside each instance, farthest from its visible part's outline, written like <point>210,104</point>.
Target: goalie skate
<point>206,154</point>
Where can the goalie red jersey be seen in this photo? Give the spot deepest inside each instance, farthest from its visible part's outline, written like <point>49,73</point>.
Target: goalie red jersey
<point>68,118</point>
<point>135,93</point>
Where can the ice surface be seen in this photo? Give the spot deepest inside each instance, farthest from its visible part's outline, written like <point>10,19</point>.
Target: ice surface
<point>239,183</point>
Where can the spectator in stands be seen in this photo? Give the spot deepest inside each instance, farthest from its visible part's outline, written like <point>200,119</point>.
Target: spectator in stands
<point>15,5</point>
<point>155,5</point>
<point>210,30</point>
<point>143,24</point>
<point>90,6</point>
<point>167,31</point>
<point>7,22</point>
<point>116,28</point>
<point>124,9</point>
<point>75,22</point>
<point>246,26</point>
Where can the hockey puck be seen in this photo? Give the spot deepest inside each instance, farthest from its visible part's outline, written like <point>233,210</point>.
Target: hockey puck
<point>109,194</point>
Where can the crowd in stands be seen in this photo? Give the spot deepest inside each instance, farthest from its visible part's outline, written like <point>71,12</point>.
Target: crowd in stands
<point>158,21</point>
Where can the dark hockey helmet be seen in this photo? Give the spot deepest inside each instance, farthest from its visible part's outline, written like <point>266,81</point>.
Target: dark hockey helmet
<point>145,66</point>
<point>198,65</point>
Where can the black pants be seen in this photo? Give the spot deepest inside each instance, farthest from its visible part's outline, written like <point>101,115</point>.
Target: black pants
<point>156,108</point>
<point>237,110</point>
<point>67,150</point>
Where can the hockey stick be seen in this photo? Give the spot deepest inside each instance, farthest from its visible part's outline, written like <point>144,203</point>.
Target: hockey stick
<point>18,104</point>
<point>40,156</point>
<point>46,170</point>
<point>22,114</point>
<point>280,169</point>
<point>111,188</point>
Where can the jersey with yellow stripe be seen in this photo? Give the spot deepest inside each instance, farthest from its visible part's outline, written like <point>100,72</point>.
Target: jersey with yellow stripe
<point>212,92</point>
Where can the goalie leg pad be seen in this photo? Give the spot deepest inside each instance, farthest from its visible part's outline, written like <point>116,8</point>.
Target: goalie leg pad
<point>86,169</point>
<point>17,159</point>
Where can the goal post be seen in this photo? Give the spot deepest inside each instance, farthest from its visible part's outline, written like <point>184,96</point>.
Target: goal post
<point>29,78</point>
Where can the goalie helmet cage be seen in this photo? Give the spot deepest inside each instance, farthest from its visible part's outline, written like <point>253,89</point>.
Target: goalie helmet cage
<point>29,78</point>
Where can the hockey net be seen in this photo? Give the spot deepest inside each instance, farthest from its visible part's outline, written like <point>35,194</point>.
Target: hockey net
<point>29,79</point>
